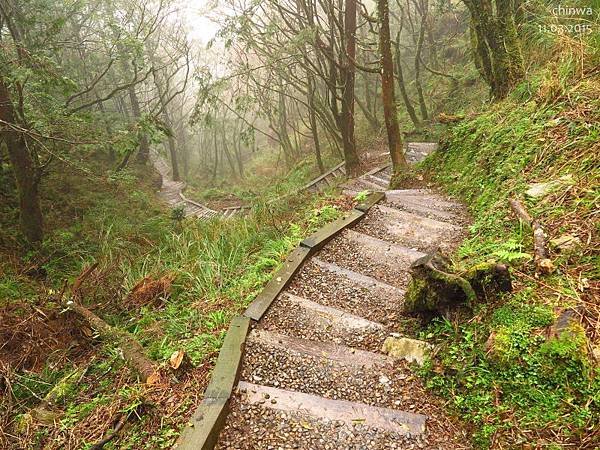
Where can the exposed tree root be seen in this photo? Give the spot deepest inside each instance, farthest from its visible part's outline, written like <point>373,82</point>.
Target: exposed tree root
<point>434,290</point>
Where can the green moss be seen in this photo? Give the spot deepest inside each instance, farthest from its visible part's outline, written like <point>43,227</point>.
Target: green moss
<point>417,296</point>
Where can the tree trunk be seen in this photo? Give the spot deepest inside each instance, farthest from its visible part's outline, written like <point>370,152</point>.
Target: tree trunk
<point>185,156</point>
<point>347,125</point>
<point>216,166</point>
<point>496,45</point>
<point>228,153</point>
<point>418,85</point>
<point>24,169</point>
<point>387,89</point>
<point>402,86</point>
<point>174,161</point>
<point>313,122</point>
<point>239,157</point>
<point>144,146</point>
<point>373,122</point>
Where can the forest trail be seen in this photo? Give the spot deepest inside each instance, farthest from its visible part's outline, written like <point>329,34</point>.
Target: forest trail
<point>172,193</point>
<point>314,375</point>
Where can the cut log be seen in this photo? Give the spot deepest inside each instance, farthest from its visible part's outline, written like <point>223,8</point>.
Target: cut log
<point>542,260</point>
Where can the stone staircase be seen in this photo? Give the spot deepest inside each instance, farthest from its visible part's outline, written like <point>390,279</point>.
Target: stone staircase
<point>314,375</point>
<point>172,193</point>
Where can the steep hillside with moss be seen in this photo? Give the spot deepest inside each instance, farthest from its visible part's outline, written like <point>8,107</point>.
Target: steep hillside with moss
<point>524,369</point>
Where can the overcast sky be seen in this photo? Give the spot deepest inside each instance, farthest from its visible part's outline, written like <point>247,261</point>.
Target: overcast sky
<point>197,13</point>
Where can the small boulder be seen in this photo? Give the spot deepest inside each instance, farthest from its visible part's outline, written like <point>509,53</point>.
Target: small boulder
<point>566,243</point>
<point>412,350</point>
<point>540,190</point>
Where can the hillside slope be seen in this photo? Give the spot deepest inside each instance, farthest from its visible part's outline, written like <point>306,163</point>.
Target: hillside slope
<point>524,369</point>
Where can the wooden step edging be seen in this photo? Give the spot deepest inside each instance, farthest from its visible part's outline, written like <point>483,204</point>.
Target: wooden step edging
<point>307,248</point>
<point>203,428</point>
<point>206,423</point>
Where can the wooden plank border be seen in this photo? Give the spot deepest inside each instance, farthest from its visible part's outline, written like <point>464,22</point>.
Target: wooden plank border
<point>322,177</point>
<point>370,201</point>
<point>307,247</point>
<point>202,431</point>
<point>277,284</point>
<point>205,425</point>
<point>318,239</point>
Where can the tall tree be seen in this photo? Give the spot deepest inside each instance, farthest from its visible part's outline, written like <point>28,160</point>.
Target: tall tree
<point>495,42</point>
<point>423,7</point>
<point>349,72</point>
<point>26,172</point>
<point>13,126</point>
<point>387,88</point>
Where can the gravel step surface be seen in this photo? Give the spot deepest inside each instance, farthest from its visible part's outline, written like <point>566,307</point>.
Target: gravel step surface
<point>257,427</point>
<point>335,286</point>
<point>308,320</point>
<point>410,229</point>
<point>431,206</point>
<point>348,412</point>
<point>386,385</point>
<point>381,182</point>
<point>328,350</point>
<point>385,261</point>
<point>363,184</point>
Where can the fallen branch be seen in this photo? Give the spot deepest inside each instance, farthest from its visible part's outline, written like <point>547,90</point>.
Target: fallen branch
<point>542,259</point>
<point>110,436</point>
<point>46,412</point>
<point>131,349</point>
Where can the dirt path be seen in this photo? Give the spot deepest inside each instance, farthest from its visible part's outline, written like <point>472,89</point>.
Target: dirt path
<point>313,375</point>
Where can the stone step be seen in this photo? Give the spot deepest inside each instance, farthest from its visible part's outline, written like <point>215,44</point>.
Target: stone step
<point>288,420</point>
<point>385,261</point>
<point>382,183</point>
<point>362,184</point>
<point>348,412</point>
<point>426,204</point>
<point>321,350</point>
<point>331,285</point>
<point>362,378</point>
<point>303,318</point>
<point>410,229</point>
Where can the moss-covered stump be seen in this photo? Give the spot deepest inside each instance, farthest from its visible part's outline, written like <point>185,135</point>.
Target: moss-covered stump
<point>434,290</point>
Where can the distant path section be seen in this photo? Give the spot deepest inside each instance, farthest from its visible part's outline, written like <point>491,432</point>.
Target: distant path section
<point>376,179</point>
<point>172,193</point>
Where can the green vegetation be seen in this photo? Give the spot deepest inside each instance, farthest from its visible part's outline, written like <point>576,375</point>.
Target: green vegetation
<point>92,91</point>
<point>216,268</point>
<point>506,370</point>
